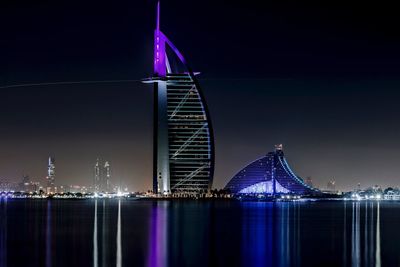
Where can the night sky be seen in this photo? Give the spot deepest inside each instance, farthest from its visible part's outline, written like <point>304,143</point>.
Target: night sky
<point>322,78</point>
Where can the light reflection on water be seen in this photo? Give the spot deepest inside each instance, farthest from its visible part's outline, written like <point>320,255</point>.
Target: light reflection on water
<point>274,237</point>
<point>95,238</point>
<point>3,232</point>
<point>378,237</point>
<point>271,238</point>
<point>48,235</point>
<point>118,239</point>
<point>372,239</point>
<point>355,237</point>
<point>188,233</point>
<point>104,235</point>
<point>158,236</point>
<point>119,245</point>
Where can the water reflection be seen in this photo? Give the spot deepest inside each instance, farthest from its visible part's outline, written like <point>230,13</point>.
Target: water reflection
<point>189,233</point>
<point>119,246</point>
<point>371,231</point>
<point>104,236</point>
<point>95,238</point>
<point>157,251</point>
<point>257,236</point>
<point>284,230</point>
<point>103,258</point>
<point>355,237</point>
<point>3,232</point>
<point>344,252</point>
<point>378,237</point>
<point>48,235</point>
<point>271,234</point>
<point>372,240</point>
<point>366,239</point>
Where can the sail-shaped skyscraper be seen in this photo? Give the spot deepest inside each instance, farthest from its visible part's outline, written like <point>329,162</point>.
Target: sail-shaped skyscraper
<point>183,136</point>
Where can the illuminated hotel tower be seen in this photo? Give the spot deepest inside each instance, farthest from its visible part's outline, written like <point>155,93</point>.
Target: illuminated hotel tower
<point>183,159</point>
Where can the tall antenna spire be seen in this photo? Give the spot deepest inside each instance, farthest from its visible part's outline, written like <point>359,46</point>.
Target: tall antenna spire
<point>158,16</point>
<point>159,48</point>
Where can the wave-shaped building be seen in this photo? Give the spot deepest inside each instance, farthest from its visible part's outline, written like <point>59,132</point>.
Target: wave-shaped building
<point>270,174</point>
<point>183,137</point>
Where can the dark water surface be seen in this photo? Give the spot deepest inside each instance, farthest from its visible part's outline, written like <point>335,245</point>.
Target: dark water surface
<point>198,233</point>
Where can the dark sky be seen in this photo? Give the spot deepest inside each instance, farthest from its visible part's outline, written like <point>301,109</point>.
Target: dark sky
<point>320,77</point>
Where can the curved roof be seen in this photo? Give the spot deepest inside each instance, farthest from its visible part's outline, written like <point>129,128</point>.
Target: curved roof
<point>273,165</point>
<point>256,172</point>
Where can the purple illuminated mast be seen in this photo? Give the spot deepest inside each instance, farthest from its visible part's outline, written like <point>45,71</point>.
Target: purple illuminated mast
<point>160,41</point>
<point>159,48</point>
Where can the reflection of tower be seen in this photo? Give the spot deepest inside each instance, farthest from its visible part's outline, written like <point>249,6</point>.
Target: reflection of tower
<point>106,177</point>
<point>96,182</point>
<point>51,175</point>
<point>158,235</point>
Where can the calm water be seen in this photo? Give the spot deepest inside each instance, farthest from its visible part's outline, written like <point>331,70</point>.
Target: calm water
<point>191,233</point>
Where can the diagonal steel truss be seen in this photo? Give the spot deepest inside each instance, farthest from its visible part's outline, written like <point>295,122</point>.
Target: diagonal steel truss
<point>183,101</point>
<point>191,175</point>
<point>187,142</point>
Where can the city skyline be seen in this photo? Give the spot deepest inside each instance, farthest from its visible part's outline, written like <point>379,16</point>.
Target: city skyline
<point>326,91</point>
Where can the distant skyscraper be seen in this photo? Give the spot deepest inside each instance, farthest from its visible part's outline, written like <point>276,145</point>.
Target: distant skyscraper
<point>96,181</point>
<point>25,184</point>
<point>51,175</point>
<point>183,137</point>
<point>102,177</point>
<point>26,180</point>
<point>331,186</point>
<point>107,177</point>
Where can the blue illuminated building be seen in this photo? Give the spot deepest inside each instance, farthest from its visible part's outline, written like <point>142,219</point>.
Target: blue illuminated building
<point>270,174</point>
